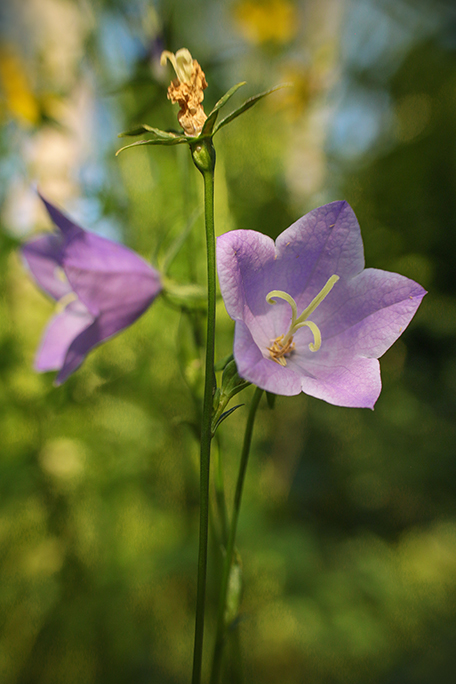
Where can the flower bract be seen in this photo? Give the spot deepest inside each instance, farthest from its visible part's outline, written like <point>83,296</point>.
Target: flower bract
<point>308,316</point>
<point>100,287</point>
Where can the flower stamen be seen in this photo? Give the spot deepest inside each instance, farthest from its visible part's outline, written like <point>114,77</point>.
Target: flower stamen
<point>63,302</point>
<point>284,345</point>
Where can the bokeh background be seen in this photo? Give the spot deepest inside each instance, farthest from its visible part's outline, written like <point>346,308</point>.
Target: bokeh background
<point>348,531</point>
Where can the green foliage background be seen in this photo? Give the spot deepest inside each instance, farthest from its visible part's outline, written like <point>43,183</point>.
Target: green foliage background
<point>348,530</point>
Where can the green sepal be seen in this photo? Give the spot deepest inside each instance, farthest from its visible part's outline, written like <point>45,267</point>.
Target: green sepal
<point>191,296</point>
<point>247,104</point>
<point>271,399</point>
<point>231,385</point>
<point>223,417</point>
<point>221,365</point>
<point>212,118</point>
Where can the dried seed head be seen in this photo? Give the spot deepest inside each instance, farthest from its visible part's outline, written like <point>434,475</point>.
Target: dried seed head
<point>187,90</point>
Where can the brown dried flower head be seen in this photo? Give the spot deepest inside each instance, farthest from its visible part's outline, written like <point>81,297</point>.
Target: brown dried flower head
<point>187,90</point>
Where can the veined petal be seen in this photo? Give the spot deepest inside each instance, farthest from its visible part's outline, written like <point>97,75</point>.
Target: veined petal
<point>370,314</point>
<point>244,259</point>
<point>324,242</point>
<point>354,382</point>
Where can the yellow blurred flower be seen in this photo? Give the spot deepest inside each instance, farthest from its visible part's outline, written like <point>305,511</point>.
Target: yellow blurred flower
<point>17,94</point>
<point>262,21</point>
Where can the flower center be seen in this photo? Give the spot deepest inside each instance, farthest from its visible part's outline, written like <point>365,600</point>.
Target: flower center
<point>284,345</point>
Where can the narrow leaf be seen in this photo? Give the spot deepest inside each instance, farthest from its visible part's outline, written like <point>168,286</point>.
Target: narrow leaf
<point>247,104</point>
<point>138,130</point>
<point>174,140</point>
<point>212,118</point>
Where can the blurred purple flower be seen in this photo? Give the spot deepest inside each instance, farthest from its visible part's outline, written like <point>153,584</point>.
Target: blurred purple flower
<point>100,287</point>
<point>308,317</point>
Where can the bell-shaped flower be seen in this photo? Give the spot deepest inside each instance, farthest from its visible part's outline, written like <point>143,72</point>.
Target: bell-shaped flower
<point>309,317</point>
<point>100,287</point>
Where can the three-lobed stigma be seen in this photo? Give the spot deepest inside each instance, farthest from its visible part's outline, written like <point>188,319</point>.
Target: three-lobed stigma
<point>283,345</point>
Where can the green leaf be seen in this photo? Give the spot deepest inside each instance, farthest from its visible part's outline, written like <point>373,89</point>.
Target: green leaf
<point>247,104</point>
<point>171,140</point>
<point>157,133</point>
<point>139,130</point>
<point>212,118</point>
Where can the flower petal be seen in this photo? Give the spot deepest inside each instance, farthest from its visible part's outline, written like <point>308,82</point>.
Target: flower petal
<point>244,259</point>
<point>348,382</point>
<point>324,242</point>
<point>106,276</point>
<point>43,257</point>
<point>103,327</point>
<point>369,314</point>
<point>59,335</point>
<point>68,227</point>
<point>261,371</point>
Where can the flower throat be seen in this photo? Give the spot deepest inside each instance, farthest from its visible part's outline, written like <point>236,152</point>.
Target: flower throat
<point>283,345</point>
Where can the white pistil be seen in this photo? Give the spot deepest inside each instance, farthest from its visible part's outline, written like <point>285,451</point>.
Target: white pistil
<point>63,302</point>
<point>284,344</point>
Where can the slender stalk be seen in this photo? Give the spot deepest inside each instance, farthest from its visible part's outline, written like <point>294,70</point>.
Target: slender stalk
<point>204,159</point>
<point>220,630</point>
<point>220,497</point>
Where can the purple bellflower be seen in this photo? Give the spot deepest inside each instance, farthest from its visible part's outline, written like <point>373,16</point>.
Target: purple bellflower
<point>309,318</point>
<point>100,287</point>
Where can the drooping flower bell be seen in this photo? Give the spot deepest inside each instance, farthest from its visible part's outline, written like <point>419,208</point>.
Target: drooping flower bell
<point>100,286</point>
<point>187,90</point>
<point>309,317</point>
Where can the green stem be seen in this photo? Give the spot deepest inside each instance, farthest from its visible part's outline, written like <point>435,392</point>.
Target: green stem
<point>220,630</point>
<point>220,496</point>
<point>204,158</point>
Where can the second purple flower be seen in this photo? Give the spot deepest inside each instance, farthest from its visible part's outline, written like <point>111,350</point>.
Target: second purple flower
<point>101,287</point>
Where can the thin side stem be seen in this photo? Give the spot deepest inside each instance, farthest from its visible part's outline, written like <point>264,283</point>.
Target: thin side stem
<point>220,630</point>
<point>206,435</point>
